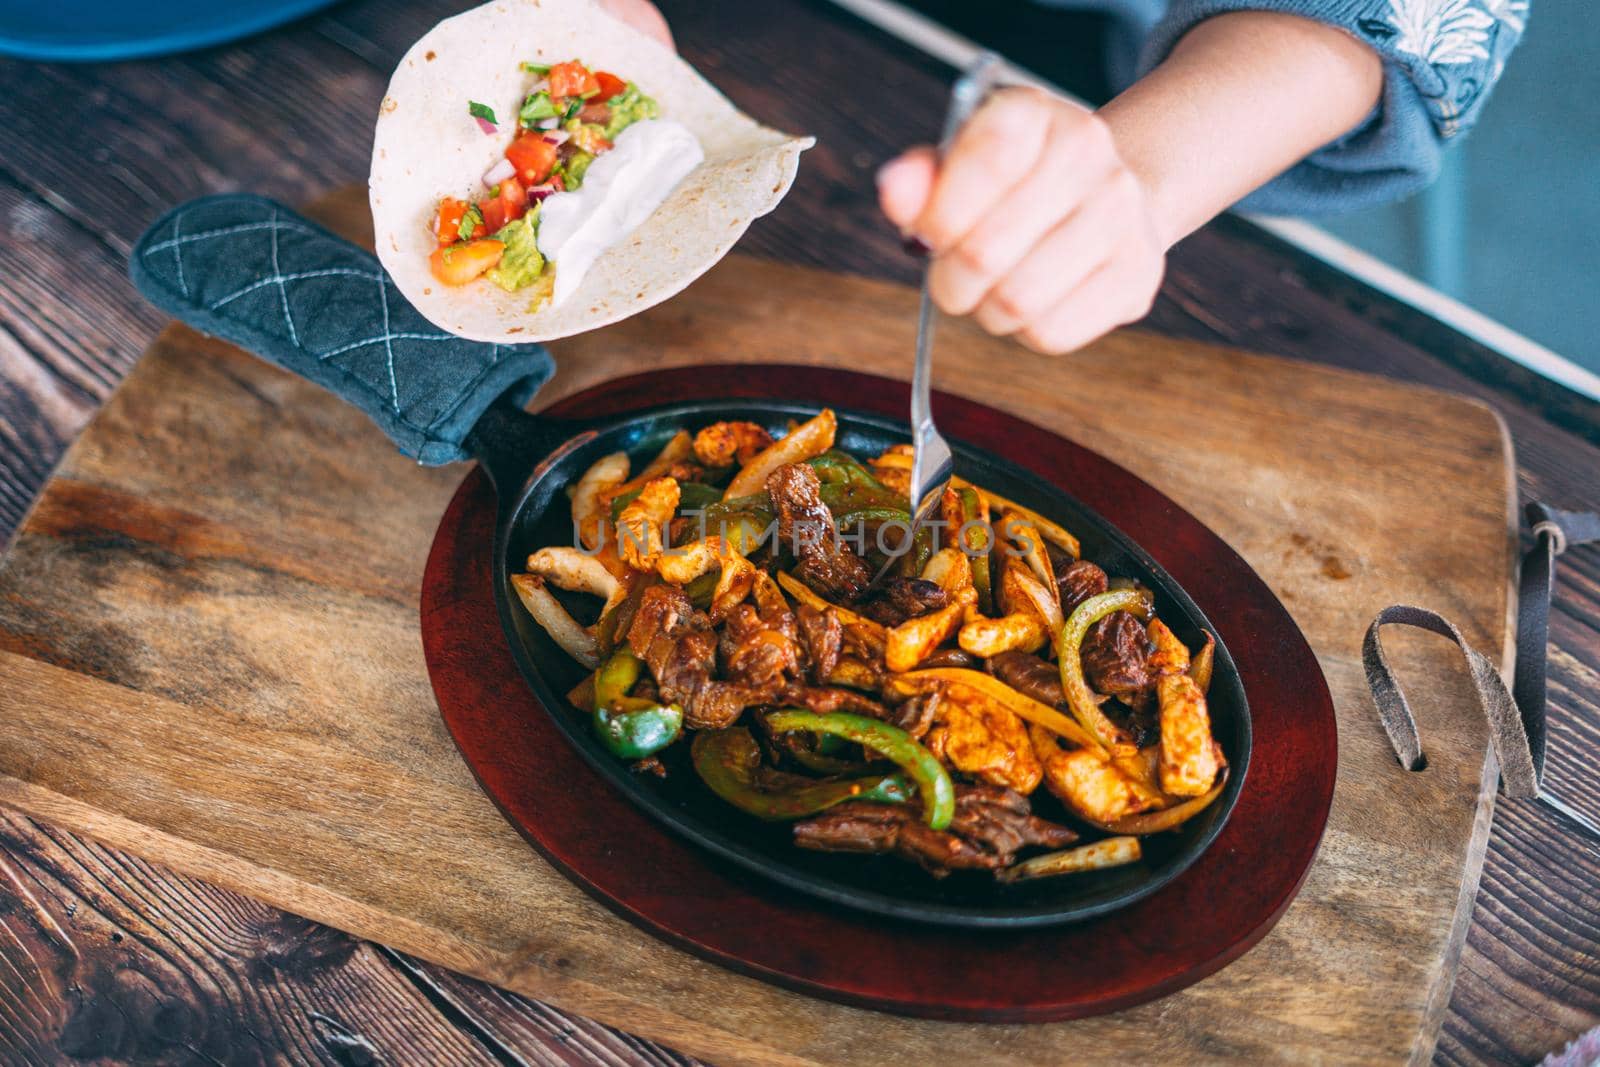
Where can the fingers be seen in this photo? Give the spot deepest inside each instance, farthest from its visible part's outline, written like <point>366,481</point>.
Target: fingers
<point>1103,227</point>
<point>1000,144</point>
<point>1037,228</point>
<point>904,185</point>
<point>1077,155</point>
<point>1114,295</point>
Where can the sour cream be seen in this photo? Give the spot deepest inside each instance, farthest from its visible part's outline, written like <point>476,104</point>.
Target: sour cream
<point>620,190</point>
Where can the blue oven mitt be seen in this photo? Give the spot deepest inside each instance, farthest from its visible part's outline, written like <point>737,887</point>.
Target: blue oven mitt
<point>253,272</point>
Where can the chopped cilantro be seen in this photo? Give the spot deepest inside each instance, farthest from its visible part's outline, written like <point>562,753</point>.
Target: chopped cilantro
<point>481,111</point>
<point>470,221</point>
<point>573,109</point>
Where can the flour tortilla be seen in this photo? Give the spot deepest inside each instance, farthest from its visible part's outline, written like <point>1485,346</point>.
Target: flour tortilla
<point>428,146</point>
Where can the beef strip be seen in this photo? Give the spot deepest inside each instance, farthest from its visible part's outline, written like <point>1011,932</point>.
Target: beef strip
<point>823,699</point>
<point>805,527</point>
<point>950,657</point>
<point>915,716</point>
<point>1029,675</point>
<point>823,638</point>
<point>899,599</point>
<point>1116,654</point>
<point>991,825</point>
<point>679,646</point>
<point>1138,714</point>
<point>1077,580</point>
<point>761,649</point>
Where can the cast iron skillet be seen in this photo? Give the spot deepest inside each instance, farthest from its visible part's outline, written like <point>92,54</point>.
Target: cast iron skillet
<point>531,460</point>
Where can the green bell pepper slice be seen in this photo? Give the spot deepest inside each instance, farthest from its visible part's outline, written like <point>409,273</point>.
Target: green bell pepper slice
<point>889,741</point>
<point>631,727</point>
<point>729,762</point>
<point>977,547</point>
<point>836,466</point>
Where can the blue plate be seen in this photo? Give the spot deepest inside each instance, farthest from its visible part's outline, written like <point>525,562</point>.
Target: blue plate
<point>101,30</point>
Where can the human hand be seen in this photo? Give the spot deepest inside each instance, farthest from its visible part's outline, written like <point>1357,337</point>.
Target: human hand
<point>1036,226</point>
<point>643,16</point>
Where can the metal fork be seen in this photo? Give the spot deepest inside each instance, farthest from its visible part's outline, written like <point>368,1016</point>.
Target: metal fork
<point>932,463</point>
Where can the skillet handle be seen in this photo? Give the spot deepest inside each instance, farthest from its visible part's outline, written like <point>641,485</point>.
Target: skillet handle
<point>258,274</point>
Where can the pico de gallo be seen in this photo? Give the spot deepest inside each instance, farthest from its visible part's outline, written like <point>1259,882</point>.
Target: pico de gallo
<point>570,116</point>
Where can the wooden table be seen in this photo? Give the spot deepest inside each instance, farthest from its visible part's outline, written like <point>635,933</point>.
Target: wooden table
<point>107,956</point>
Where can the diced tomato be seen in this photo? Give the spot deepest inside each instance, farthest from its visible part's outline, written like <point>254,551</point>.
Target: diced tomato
<point>494,214</point>
<point>513,199</point>
<point>459,264</point>
<point>560,183</point>
<point>595,114</point>
<point>610,84</point>
<point>533,157</point>
<point>451,212</point>
<point>572,79</point>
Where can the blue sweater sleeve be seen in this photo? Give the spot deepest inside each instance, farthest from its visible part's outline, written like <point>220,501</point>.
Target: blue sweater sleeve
<point>1441,58</point>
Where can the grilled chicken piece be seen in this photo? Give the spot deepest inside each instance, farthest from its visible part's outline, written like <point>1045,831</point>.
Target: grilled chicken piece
<point>991,825</point>
<point>1190,757</point>
<point>985,740</point>
<point>641,522</point>
<point>722,443</point>
<point>805,527</point>
<point>1087,782</point>
<point>679,646</point>
<point>1171,656</point>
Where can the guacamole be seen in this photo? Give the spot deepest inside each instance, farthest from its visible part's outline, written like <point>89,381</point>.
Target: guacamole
<point>520,264</point>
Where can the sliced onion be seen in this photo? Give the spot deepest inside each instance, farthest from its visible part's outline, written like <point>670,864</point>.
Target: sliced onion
<point>557,136</point>
<point>486,126</point>
<point>548,124</point>
<point>499,173</point>
<point>540,86</point>
<point>539,192</point>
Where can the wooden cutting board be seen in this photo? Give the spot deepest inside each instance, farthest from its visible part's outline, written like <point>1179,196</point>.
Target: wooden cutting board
<point>209,655</point>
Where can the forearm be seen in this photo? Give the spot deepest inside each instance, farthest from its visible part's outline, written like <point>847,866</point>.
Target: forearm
<point>1241,98</point>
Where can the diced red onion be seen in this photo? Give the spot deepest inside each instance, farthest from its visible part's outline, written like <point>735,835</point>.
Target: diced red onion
<point>486,126</point>
<point>539,192</point>
<point>557,136</point>
<point>540,86</point>
<point>499,173</point>
<point>548,124</point>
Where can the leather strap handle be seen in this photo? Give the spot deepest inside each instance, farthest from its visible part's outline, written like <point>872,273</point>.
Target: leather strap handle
<point>1517,717</point>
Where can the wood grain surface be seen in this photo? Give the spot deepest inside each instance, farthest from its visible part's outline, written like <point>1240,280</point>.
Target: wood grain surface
<point>218,590</point>
<point>288,114</point>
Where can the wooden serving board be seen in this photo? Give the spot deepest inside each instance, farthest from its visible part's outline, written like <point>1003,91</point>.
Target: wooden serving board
<point>209,655</point>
